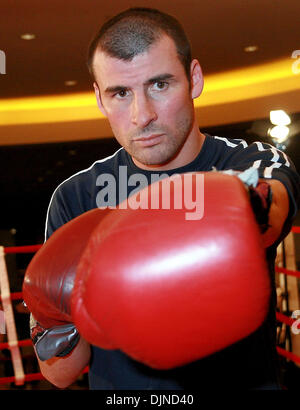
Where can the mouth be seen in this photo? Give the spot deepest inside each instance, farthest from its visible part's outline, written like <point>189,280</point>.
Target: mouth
<point>149,140</point>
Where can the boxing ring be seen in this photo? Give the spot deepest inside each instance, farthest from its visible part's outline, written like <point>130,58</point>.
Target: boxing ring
<point>13,344</point>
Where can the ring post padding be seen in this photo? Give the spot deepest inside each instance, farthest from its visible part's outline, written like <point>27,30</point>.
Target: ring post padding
<point>10,322</point>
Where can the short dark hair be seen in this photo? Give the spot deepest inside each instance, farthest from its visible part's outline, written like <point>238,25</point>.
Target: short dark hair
<point>133,31</point>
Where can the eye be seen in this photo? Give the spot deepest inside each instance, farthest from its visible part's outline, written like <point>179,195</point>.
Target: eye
<point>121,94</point>
<point>160,85</point>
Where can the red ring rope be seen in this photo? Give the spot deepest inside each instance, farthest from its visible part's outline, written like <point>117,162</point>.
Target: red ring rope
<point>25,342</point>
<point>30,377</point>
<point>288,355</point>
<point>288,272</point>
<point>22,249</point>
<point>285,319</point>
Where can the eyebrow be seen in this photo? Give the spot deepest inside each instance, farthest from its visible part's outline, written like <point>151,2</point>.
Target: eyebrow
<point>161,77</point>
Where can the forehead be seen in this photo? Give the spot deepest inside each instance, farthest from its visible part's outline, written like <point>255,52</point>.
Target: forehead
<point>160,58</point>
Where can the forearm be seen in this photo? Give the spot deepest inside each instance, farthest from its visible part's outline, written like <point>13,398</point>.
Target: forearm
<point>278,212</point>
<point>63,371</point>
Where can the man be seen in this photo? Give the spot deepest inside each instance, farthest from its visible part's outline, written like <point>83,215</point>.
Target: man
<point>145,82</point>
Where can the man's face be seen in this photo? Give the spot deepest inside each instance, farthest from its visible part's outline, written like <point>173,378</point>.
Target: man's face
<point>148,102</point>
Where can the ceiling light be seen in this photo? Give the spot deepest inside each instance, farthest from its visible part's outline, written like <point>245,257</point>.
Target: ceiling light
<point>250,49</point>
<point>70,83</point>
<point>279,133</point>
<point>279,117</point>
<point>27,36</point>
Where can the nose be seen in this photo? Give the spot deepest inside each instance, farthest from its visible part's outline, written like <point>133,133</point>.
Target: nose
<point>143,111</point>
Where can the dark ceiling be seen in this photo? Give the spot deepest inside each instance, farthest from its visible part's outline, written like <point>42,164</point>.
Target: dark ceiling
<point>219,31</point>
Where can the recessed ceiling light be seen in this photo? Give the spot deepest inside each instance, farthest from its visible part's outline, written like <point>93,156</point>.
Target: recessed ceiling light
<point>70,83</point>
<point>279,117</point>
<point>279,133</point>
<point>250,49</point>
<point>27,36</point>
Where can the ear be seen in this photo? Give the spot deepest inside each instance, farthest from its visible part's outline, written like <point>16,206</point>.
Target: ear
<point>98,97</point>
<point>197,81</point>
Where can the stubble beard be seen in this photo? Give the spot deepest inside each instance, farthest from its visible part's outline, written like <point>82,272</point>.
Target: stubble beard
<point>166,150</point>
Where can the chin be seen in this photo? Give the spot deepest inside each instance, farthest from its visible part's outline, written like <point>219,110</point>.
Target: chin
<point>158,158</point>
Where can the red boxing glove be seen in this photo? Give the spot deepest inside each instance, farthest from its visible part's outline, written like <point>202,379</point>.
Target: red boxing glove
<point>167,289</point>
<point>48,286</point>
